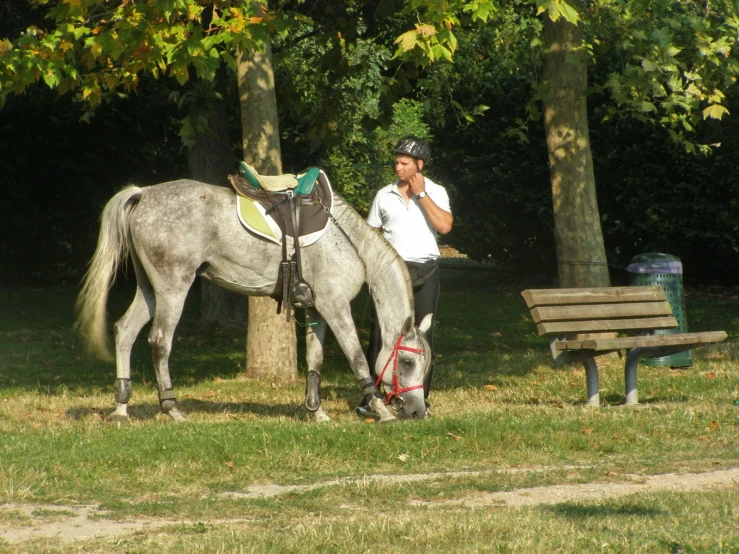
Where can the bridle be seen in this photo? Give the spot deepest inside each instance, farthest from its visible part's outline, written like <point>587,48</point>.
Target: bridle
<point>394,395</point>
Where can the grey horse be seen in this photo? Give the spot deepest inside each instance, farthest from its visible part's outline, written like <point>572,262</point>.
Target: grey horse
<point>179,230</point>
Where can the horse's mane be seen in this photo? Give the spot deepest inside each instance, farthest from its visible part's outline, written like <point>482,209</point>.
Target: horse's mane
<point>375,252</point>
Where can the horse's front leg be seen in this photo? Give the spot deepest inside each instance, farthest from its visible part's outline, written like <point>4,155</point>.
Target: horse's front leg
<point>314,341</point>
<point>342,325</point>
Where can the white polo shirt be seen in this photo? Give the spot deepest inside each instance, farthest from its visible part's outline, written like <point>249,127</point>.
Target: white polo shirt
<point>405,226</point>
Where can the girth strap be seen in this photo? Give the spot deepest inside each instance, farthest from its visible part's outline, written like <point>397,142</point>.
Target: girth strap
<point>302,295</point>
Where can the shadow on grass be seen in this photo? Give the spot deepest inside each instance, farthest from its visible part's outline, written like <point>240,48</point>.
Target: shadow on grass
<point>149,411</point>
<point>579,511</point>
<point>350,396</point>
<point>644,399</point>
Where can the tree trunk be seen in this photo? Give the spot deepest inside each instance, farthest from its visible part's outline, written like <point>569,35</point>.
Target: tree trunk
<point>578,237</point>
<point>271,349</point>
<point>211,160</point>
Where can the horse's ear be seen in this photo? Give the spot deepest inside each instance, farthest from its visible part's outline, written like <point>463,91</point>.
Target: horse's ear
<point>426,323</point>
<point>408,325</point>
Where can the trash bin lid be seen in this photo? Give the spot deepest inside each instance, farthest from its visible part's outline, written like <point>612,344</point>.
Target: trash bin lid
<point>655,262</point>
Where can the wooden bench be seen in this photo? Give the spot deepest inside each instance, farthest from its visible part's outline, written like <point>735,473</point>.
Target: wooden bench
<point>584,323</point>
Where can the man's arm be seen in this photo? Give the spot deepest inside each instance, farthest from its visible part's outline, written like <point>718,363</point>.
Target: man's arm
<point>440,219</point>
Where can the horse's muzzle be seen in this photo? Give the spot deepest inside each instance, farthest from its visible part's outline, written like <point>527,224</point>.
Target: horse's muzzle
<point>410,407</point>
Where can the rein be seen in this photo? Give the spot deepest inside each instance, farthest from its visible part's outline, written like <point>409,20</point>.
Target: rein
<point>394,356</point>
<point>339,227</point>
<point>393,395</point>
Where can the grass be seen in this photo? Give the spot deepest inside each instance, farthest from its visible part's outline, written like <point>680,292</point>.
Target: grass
<point>504,419</point>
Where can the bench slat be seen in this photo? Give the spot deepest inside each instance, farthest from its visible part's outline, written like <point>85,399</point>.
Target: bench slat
<point>601,325</point>
<point>677,339</point>
<point>601,311</point>
<point>610,344</point>
<point>550,297</point>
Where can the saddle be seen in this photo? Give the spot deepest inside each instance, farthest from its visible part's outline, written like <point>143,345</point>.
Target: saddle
<point>284,208</point>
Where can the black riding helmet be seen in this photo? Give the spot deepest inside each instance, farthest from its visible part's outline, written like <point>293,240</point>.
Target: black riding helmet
<point>414,147</point>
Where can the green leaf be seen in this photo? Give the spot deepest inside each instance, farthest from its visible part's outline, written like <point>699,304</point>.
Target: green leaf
<point>569,13</point>
<point>180,73</point>
<point>716,111</point>
<point>229,59</point>
<point>51,78</point>
<point>649,65</point>
<point>407,41</point>
<point>672,51</point>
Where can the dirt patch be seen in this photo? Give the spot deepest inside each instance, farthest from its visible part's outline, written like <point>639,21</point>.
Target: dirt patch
<point>73,523</point>
<point>557,494</point>
<point>67,523</point>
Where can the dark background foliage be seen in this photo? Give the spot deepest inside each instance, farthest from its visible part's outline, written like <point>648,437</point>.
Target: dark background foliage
<point>56,171</point>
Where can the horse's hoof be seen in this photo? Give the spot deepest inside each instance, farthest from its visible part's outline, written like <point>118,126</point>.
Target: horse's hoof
<point>389,420</point>
<point>117,418</point>
<point>177,416</point>
<point>319,416</point>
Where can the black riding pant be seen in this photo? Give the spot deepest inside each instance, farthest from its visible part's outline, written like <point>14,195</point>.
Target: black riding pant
<point>425,299</point>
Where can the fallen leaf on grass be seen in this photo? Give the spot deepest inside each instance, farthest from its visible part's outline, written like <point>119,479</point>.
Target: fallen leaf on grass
<point>490,387</point>
<point>403,457</point>
<point>713,426</point>
<point>455,437</point>
<point>587,431</point>
<point>230,465</point>
<point>369,419</point>
<point>711,376</point>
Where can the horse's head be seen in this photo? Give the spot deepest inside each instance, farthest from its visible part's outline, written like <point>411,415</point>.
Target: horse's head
<point>402,367</point>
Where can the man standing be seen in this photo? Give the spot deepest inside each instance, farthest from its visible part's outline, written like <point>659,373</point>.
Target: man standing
<point>410,212</point>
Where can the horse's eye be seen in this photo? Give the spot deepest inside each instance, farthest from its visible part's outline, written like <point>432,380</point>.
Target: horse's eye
<point>407,362</point>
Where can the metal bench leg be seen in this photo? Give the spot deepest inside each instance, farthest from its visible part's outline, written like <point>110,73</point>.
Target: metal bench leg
<point>591,374</point>
<point>632,362</point>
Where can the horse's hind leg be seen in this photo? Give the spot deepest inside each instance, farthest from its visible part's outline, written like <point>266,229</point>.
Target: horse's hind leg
<point>168,312</point>
<point>314,340</point>
<point>126,330</point>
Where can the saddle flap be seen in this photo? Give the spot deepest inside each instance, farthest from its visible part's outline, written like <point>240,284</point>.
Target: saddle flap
<point>256,209</point>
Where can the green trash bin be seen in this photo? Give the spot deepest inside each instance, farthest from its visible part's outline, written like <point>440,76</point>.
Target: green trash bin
<point>666,271</point>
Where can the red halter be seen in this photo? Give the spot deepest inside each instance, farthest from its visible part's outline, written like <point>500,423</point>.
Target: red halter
<point>396,392</point>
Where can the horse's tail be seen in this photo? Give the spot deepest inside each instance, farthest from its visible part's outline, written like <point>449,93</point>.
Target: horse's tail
<point>113,247</point>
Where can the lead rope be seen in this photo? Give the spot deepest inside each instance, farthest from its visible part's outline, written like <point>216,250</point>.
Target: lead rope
<point>335,222</point>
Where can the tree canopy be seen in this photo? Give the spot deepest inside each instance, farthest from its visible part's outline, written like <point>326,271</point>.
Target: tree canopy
<point>471,76</point>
